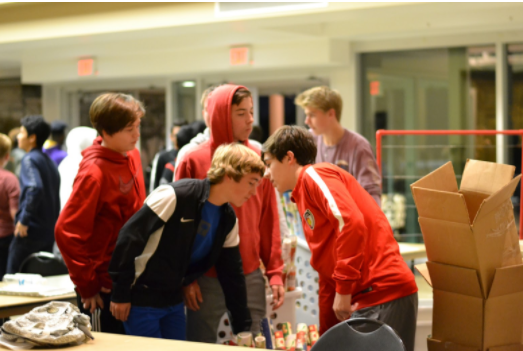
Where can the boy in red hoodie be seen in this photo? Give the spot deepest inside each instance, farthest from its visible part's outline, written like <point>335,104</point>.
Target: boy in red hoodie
<point>107,191</point>
<point>230,110</point>
<point>361,271</point>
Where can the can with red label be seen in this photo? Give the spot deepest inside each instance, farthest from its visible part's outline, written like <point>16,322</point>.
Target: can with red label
<point>279,340</point>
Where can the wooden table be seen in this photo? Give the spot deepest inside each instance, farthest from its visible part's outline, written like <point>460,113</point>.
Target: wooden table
<point>11,305</point>
<point>111,342</point>
<point>411,251</point>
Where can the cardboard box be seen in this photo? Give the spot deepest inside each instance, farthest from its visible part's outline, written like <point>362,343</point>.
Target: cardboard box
<point>464,319</point>
<point>472,227</point>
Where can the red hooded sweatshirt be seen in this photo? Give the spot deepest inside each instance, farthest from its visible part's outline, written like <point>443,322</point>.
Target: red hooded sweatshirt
<point>258,217</point>
<point>107,191</point>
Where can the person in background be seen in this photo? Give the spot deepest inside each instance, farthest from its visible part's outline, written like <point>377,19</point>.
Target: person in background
<point>39,203</point>
<point>164,157</point>
<point>183,230</point>
<point>9,193</point>
<point>53,146</point>
<point>107,191</point>
<point>257,135</point>
<point>15,161</point>
<point>184,136</point>
<point>78,139</point>
<point>361,272</point>
<point>337,145</point>
<point>230,109</point>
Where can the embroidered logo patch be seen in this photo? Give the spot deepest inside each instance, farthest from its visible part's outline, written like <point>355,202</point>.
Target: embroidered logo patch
<point>309,218</point>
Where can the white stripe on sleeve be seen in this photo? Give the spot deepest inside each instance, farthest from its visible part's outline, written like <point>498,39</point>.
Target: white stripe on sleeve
<point>328,195</point>
<point>162,201</point>
<point>233,238</point>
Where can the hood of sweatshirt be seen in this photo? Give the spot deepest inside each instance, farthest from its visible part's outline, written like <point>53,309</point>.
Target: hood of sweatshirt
<point>98,151</point>
<point>78,139</point>
<point>219,108</point>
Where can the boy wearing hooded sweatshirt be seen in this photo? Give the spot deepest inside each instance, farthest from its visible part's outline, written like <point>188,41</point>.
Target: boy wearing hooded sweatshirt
<point>230,111</point>
<point>184,229</point>
<point>108,190</point>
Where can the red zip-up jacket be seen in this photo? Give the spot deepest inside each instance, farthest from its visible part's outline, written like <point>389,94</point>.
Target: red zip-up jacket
<point>350,239</point>
<point>107,191</point>
<point>258,217</point>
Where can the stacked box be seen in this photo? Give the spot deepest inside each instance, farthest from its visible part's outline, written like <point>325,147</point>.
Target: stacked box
<point>474,260</point>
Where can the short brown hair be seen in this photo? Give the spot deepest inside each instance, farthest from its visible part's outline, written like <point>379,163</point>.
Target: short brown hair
<point>322,98</point>
<point>5,146</point>
<point>239,95</point>
<point>112,112</point>
<point>291,138</point>
<point>234,160</point>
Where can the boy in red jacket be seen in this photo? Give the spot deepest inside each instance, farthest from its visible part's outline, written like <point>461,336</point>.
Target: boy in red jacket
<point>230,110</point>
<point>107,191</point>
<point>361,271</point>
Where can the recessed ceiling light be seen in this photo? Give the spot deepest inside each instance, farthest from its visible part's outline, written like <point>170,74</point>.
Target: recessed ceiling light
<point>188,84</point>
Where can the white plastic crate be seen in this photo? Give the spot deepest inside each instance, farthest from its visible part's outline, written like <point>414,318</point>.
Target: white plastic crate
<point>307,310</point>
<point>286,313</point>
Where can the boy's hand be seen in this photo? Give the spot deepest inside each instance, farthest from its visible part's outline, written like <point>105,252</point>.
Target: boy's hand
<point>192,296</point>
<point>92,303</point>
<point>342,306</point>
<point>278,295</point>
<point>21,230</point>
<point>121,311</point>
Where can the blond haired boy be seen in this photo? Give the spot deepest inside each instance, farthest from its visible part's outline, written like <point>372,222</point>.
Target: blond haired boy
<point>337,145</point>
<point>184,229</point>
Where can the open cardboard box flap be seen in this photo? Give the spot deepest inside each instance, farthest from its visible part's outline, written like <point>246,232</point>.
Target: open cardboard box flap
<point>437,345</point>
<point>449,278</point>
<point>484,186</point>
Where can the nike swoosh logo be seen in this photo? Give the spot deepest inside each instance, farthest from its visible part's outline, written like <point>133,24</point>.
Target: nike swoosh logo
<point>183,220</point>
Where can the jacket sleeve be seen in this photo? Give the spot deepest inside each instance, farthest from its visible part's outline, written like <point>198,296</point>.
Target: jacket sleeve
<point>270,239</point>
<point>351,233</point>
<point>34,190</point>
<point>142,232</point>
<point>73,233</point>
<point>230,274</point>
<point>367,172</point>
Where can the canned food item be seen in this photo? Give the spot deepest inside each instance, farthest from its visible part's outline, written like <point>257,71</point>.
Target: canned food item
<point>244,339</point>
<point>301,341</point>
<point>259,342</point>
<point>279,340</point>
<point>285,328</point>
<point>313,334</point>
<point>290,342</point>
<point>291,277</point>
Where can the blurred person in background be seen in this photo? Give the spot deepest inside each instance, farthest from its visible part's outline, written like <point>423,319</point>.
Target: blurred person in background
<point>337,145</point>
<point>164,157</point>
<point>107,191</point>
<point>9,193</point>
<point>39,203</point>
<point>230,108</point>
<point>183,137</point>
<point>200,137</point>
<point>53,145</point>
<point>78,139</point>
<point>15,161</point>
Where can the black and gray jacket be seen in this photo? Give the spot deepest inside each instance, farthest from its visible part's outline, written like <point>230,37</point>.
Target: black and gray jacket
<point>150,263</point>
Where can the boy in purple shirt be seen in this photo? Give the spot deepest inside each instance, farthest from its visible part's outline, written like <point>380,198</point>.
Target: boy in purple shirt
<point>337,145</point>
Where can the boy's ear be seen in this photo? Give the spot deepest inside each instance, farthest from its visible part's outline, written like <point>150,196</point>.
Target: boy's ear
<point>332,113</point>
<point>32,139</point>
<point>292,159</point>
